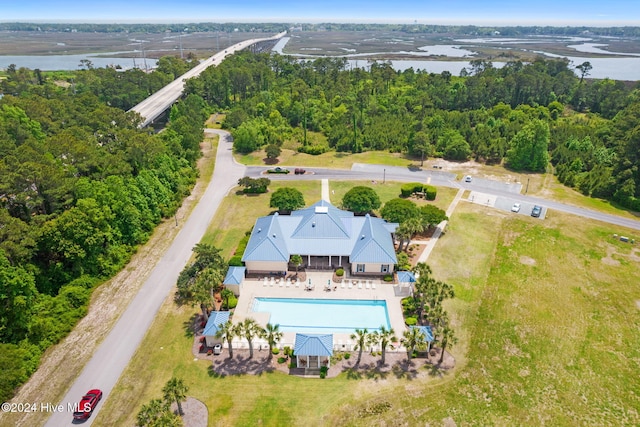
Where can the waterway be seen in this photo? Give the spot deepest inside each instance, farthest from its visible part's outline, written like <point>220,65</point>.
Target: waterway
<point>617,66</point>
<point>614,67</point>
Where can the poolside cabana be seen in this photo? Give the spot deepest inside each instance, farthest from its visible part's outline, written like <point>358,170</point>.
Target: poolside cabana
<point>313,351</point>
<point>406,280</point>
<point>216,318</point>
<point>234,278</point>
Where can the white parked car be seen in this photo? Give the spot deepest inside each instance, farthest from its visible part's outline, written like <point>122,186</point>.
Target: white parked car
<point>515,207</point>
<point>467,178</point>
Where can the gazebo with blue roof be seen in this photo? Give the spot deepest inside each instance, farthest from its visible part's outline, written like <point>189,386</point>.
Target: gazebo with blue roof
<point>234,278</point>
<point>427,332</point>
<point>313,350</point>
<point>216,319</point>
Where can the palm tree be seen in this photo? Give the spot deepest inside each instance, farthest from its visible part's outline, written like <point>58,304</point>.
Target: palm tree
<point>175,389</point>
<point>204,288</point>
<point>412,338</point>
<point>297,261</point>
<point>151,412</point>
<point>448,338</point>
<point>227,332</point>
<point>273,335</point>
<point>385,336</point>
<point>250,329</point>
<point>362,338</point>
<point>226,295</point>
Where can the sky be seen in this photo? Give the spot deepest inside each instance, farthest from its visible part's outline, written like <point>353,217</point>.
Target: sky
<point>450,12</point>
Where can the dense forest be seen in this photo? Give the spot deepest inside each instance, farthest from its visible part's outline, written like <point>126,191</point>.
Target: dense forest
<point>80,187</point>
<point>537,117</point>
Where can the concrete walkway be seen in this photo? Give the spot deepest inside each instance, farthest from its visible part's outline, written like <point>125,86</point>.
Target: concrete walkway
<point>431,243</point>
<point>325,190</point>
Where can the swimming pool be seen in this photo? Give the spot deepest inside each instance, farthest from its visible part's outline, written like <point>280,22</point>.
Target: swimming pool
<point>324,315</point>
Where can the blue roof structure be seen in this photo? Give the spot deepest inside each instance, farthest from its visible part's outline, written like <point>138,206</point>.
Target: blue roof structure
<point>216,318</point>
<point>406,277</point>
<point>313,345</point>
<point>321,230</point>
<point>234,276</point>
<point>426,330</point>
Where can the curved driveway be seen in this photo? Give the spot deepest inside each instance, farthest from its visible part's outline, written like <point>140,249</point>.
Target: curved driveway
<point>113,355</point>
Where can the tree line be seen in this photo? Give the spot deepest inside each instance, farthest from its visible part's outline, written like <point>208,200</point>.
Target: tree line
<point>81,186</point>
<point>526,116</point>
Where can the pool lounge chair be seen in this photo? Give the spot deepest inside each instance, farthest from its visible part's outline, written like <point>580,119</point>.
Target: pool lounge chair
<point>373,285</point>
<point>366,285</point>
<point>342,284</point>
<point>349,284</point>
<point>359,284</point>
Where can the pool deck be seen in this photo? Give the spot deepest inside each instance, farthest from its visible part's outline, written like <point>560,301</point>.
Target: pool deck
<point>254,288</point>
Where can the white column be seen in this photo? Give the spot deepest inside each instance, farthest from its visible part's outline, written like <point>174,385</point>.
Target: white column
<point>329,259</point>
<point>340,260</point>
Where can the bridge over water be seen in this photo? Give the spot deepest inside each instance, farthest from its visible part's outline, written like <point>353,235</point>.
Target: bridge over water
<point>152,107</point>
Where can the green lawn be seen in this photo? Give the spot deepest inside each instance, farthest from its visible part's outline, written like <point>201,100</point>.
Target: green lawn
<point>547,313</point>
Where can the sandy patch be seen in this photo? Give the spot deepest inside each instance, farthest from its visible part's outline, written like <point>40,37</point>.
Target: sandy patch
<point>610,261</point>
<point>527,260</point>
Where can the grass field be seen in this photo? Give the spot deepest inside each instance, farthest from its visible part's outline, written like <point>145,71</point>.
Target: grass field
<point>547,314</point>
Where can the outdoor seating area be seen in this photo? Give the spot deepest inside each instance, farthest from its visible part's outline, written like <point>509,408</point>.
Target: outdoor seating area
<point>270,281</point>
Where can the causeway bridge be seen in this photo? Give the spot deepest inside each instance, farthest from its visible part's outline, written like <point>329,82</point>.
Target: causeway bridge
<point>152,107</point>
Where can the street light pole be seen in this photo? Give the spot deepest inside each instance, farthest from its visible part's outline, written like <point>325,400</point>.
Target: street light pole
<point>384,175</point>
<point>527,189</point>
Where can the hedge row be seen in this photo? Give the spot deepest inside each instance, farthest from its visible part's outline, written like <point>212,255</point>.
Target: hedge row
<point>416,187</point>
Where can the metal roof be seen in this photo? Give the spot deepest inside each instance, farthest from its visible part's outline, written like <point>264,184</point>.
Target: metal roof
<point>374,243</point>
<point>426,331</point>
<point>313,345</point>
<point>216,318</point>
<point>235,276</point>
<point>406,277</point>
<point>321,230</point>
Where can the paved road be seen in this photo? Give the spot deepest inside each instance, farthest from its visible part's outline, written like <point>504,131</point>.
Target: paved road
<point>152,107</point>
<point>509,191</point>
<point>113,355</point>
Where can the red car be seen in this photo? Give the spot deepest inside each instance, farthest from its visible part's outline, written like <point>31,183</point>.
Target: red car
<point>87,404</point>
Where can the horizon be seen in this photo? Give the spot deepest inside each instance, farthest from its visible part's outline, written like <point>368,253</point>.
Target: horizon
<point>459,12</point>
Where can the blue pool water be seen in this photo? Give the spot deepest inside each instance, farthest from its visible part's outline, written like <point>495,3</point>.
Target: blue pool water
<point>324,316</point>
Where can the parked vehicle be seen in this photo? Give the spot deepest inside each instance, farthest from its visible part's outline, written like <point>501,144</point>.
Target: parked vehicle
<point>467,178</point>
<point>515,207</point>
<point>536,211</point>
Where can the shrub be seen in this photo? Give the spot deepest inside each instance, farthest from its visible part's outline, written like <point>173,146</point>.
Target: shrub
<point>233,302</point>
<point>340,272</point>
<point>411,321</point>
<point>347,356</point>
<point>430,192</point>
<point>323,371</point>
<point>282,359</point>
<point>235,261</point>
<point>412,187</point>
<point>388,278</point>
<point>314,150</point>
<point>275,351</point>
<point>288,351</point>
